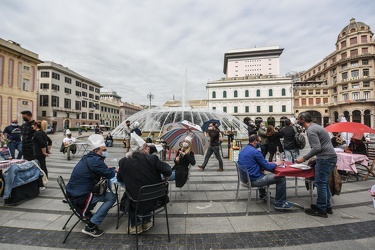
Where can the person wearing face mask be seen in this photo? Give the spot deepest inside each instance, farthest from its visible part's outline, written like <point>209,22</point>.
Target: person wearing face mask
<point>262,132</point>
<point>184,158</point>
<point>12,134</point>
<point>81,184</point>
<point>27,133</point>
<point>288,133</point>
<point>252,160</point>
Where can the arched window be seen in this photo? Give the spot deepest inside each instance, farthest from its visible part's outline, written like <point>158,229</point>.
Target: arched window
<point>224,94</point>
<point>246,93</point>
<point>283,92</point>
<point>213,94</point>
<point>235,94</point>
<point>270,92</point>
<point>258,92</point>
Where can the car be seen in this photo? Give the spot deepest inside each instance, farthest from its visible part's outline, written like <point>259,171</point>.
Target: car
<point>50,129</point>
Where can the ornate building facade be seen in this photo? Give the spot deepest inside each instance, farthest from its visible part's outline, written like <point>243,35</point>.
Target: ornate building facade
<point>110,109</point>
<point>343,81</point>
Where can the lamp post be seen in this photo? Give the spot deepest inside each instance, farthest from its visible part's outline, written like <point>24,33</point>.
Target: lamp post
<point>150,96</point>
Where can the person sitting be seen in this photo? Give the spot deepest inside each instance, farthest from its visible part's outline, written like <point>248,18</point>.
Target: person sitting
<point>85,175</point>
<point>69,144</point>
<point>184,158</point>
<point>336,140</point>
<point>356,145</point>
<point>139,168</point>
<point>109,140</point>
<point>252,160</point>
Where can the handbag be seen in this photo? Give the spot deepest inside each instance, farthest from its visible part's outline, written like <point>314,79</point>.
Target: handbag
<point>44,176</point>
<point>100,186</point>
<point>335,182</point>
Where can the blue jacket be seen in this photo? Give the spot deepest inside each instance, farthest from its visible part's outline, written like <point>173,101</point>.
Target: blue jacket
<point>253,160</point>
<point>19,174</point>
<point>81,182</point>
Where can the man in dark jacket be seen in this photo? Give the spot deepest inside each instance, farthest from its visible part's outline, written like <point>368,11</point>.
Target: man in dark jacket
<point>27,135</point>
<point>290,149</point>
<point>214,134</point>
<point>13,135</point>
<point>85,175</point>
<point>137,169</point>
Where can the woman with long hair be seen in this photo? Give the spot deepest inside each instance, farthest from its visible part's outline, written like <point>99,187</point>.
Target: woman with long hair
<point>273,142</point>
<point>41,145</point>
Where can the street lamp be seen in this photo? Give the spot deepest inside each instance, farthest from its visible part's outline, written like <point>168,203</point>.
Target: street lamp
<point>150,96</point>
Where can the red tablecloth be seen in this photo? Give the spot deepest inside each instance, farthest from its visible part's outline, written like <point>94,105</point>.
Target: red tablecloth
<point>293,172</point>
<point>8,163</point>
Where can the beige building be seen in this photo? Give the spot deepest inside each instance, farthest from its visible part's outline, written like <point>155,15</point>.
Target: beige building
<point>67,99</point>
<point>18,81</point>
<point>110,109</point>
<point>345,79</point>
<point>191,103</point>
<point>127,110</point>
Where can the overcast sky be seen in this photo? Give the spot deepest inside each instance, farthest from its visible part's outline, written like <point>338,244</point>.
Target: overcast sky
<point>142,46</point>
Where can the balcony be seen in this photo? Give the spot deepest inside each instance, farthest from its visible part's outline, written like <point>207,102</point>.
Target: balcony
<point>66,110</point>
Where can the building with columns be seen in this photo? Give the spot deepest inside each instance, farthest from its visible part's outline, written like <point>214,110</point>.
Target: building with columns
<point>18,81</point>
<point>252,86</point>
<point>344,80</point>
<point>110,109</point>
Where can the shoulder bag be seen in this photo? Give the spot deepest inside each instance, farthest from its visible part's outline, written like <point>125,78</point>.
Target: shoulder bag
<point>100,186</point>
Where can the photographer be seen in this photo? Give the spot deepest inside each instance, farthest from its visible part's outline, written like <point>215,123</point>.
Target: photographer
<point>27,135</point>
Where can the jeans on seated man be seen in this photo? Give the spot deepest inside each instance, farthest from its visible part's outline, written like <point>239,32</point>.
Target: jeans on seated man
<point>252,160</point>
<point>69,144</point>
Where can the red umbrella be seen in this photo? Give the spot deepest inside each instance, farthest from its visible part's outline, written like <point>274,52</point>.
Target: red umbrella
<point>351,127</point>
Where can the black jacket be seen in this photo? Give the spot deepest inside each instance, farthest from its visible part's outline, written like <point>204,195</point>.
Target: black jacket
<point>182,168</point>
<point>288,133</point>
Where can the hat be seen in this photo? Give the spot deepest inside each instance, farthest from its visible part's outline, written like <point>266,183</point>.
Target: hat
<point>136,141</point>
<point>95,141</point>
<point>136,125</point>
<point>189,138</point>
<point>68,132</point>
<point>293,120</point>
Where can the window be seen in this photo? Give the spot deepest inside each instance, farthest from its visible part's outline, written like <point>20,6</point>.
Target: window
<point>354,52</point>
<point>97,90</point>
<point>283,108</point>
<point>366,84</point>
<point>270,109</point>
<point>258,109</point>
<point>78,93</point>
<point>43,100</point>
<point>91,96</point>
<point>344,75</point>
<point>344,97</point>
<point>355,85</point>
<point>44,86</point>
<point>213,108</point>
<point>67,91</point>
<point>84,93</point>
<point>44,74</point>
<point>355,73</point>
<point>355,95</point>
<point>225,109</point>
<point>303,92</point>
<point>55,76</point>
<point>246,109</point>
<point>78,105</point>
<point>366,95</point>
<point>67,103</point>
<point>364,62</point>
<point>78,84</point>
<point>44,113</point>
<point>246,93</point>
<point>343,55</point>
<point>235,94</point>
<point>213,94</point>
<point>84,104</point>
<point>345,87</point>
<point>317,92</point>
<point>26,68</point>
<point>311,92</point>
<point>84,115</point>
<point>283,92</point>
<point>96,116</point>
<point>258,92</point>
<point>25,84</point>
<point>84,86</point>
<point>55,101</point>
<point>97,97</point>
<point>55,87</point>
<point>54,114</point>
<point>224,94</point>
<point>366,72</point>
<point>68,80</point>
<point>354,64</point>
<point>77,116</point>
<point>343,44</point>
<point>91,88</point>
<point>353,40</point>
<point>235,109</point>
<point>270,92</point>
<point>317,100</point>
<point>344,66</point>
<point>364,39</point>
<point>364,51</point>
<point>325,92</point>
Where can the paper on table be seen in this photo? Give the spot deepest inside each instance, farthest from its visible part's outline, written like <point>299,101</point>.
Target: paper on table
<point>301,166</point>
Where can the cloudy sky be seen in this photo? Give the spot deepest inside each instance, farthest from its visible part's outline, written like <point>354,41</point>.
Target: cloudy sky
<point>142,46</point>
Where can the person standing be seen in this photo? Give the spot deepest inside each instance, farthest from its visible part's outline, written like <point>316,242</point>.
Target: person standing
<point>290,149</point>
<point>69,144</point>
<point>273,142</point>
<point>13,135</point>
<point>127,131</point>
<point>262,132</point>
<point>326,160</point>
<point>27,133</point>
<point>214,134</point>
<point>41,143</point>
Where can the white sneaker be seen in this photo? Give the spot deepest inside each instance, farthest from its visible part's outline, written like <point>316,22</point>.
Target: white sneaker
<point>42,188</point>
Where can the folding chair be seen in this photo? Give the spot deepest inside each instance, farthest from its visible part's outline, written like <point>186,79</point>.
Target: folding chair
<point>370,167</point>
<point>241,175</point>
<point>156,192</point>
<point>75,211</point>
<point>188,187</point>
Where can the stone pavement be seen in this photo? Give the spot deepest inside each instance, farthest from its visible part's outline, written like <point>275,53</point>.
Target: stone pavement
<point>210,220</point>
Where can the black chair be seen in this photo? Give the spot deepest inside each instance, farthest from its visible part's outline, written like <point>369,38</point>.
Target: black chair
<point>188,187</point>
<point>156,192</point>
<point>75,211</point>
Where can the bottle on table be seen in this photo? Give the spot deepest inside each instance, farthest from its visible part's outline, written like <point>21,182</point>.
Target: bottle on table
<point>278,157</point>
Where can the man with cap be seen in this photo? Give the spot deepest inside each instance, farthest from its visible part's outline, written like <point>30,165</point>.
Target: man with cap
<point>27,133</point>
<point>69,143</point>
<point>85,175</point>
<point>139,168</point>
<point>12,134</point>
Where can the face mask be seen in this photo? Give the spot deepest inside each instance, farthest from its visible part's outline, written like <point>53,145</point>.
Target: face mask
<point>105,154</point>
<point>258,145</point>
<point>25,119</point>
<point>14,124</point>
<point>185,145</point>
<point>300,123</point>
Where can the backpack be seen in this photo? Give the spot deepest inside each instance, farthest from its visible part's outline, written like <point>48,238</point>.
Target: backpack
<point>299,139</point>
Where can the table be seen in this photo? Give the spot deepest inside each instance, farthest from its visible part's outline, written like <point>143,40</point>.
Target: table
<point>296,172</point>
<point>6,164</point>
<point>82,147</point>
<point>347,161</point>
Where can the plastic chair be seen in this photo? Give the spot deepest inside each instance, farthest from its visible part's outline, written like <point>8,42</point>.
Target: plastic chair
<point>188,187</point>
<point>244,175</point>
<point>75,211</point>
<point>156,192</point>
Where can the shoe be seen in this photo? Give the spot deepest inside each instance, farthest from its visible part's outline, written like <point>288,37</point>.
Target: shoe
<point>42,188</point>
<point>93,232</point>
<point>68,158</point>
<point>329,210</point>
<point>139,229</point>
<point>316,212</point>
<point>220,170</point>
<point>147,225</point>
<point>201,168</point>
<point>244,184</point>
<point>287,205</point>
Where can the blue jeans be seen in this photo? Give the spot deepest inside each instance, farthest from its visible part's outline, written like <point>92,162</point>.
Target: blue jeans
<point>210,151</point>
<point>291,154</point>
<point>173,176</point>
<point>269,179</point>
<point>13,145</point>
<point>108,200</point>
<point>323,169</point>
